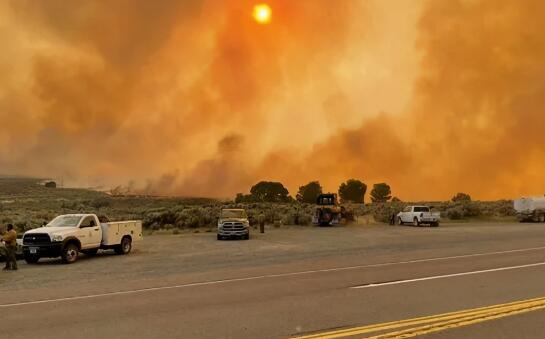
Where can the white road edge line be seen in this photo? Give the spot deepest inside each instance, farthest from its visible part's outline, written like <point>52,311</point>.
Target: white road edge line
<point>398,282</point>
<point>267,276</point>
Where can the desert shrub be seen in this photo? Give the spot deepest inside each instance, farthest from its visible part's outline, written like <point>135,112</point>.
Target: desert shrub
<point>101,202</point>
<point>455,213</point>
<point>472,209</point>
<point>349,215</point>
<point>461,197</point>
<point>505,208</point>
<point>51,184</point>
<point>384,211</point>
<point>304,219</point>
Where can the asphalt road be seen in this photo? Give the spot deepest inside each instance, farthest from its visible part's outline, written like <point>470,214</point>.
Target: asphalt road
<point>353,281</point>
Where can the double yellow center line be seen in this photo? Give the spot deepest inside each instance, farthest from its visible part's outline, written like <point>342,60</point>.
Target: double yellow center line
<point>418,326</point>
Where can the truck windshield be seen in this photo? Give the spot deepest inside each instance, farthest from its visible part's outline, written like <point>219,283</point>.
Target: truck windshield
<point>239,214</point>
<point>65,221</point>
<point>421,209</point>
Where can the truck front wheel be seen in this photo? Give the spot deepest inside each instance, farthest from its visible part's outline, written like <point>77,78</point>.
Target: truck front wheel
<point>70,253</point>
<point>416,222</point>
<point>125,246</point>
<point>31,258</point>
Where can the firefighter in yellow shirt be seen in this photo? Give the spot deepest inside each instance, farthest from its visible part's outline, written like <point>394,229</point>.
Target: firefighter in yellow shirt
<point>9,239</point>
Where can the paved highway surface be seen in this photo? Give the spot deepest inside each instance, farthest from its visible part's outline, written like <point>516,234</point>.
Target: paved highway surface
<point>459,280</point>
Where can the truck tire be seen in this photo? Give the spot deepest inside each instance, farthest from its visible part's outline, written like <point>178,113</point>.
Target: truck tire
<point>219,237</point>
<point>541,218</point>
<point>31,258</point>
<point>399,221</point>
<point>416,222</point>
<point>246,237</point>
<point>125,246</point>
<point>90,252</point>
<point>69,253</point>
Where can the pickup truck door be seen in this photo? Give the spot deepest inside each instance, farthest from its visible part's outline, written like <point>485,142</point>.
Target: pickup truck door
<point>90,232</point>
<point>406,215</point>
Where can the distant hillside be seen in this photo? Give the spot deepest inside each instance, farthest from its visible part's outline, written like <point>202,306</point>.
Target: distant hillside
<point>27,203</point>
<point>18,187</point>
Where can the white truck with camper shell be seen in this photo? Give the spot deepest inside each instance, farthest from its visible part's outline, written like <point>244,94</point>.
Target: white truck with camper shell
<point>418,215</point>
<point>530,209</point>
<point>68,235</point>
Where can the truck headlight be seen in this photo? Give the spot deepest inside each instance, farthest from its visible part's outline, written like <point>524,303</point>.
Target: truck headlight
<point>56,237</point>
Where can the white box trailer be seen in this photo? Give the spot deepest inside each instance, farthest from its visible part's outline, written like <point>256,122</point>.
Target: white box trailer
<point>530,209</point>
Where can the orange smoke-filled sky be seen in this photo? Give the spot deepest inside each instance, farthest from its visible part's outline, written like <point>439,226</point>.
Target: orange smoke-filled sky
<point>197,98</point>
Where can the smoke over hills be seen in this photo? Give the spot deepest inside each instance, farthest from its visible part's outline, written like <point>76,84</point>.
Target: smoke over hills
<point>194,98</point>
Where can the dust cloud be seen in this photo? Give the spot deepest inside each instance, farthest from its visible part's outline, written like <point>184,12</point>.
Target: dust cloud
<point>195,98</point>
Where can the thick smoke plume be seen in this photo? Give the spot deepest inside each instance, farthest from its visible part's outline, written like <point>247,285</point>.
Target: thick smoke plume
<point>195,98</point>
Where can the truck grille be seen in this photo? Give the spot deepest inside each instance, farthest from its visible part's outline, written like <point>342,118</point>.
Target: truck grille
<point>36,239</point>
<point>233,226</point>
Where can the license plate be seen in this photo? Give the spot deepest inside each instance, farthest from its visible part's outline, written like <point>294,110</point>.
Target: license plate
<point>33,250</point>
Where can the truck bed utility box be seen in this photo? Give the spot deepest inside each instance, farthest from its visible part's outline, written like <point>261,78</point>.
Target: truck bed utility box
<point>112,232</point>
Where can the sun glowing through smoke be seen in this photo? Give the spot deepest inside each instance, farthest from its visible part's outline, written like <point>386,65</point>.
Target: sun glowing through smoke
<point>262,13</point>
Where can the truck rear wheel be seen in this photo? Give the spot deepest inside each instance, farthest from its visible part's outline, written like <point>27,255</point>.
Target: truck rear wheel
<point>125,246</point>
<point>31,258</point>
<point>69,253</point>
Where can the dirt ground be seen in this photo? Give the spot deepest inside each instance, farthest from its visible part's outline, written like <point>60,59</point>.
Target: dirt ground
<point>159,259</point>
<point>199,256</point>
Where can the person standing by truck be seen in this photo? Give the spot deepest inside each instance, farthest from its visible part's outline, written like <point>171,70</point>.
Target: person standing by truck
<point>10,242</point>
<point>261,221</point>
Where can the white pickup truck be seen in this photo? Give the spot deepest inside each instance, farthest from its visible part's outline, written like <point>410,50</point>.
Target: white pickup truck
<point>68,235</point>
<point>418,215</point>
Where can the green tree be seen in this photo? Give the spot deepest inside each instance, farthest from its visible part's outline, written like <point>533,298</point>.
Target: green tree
<point>309,192</point>
<point>269,191</point>
<point>461,197</point>
<point>353,190</point>
<point>243,198</point>
<point>381,192</point>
